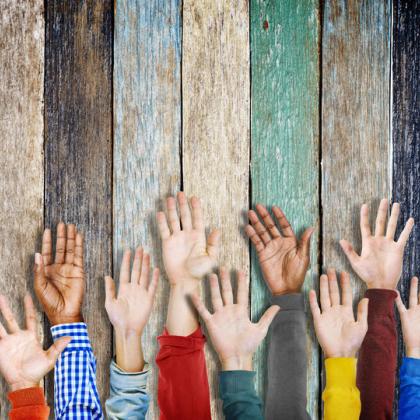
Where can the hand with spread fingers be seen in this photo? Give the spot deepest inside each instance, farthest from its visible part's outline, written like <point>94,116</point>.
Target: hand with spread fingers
<point>60,284</point>
<point>234,337</point>
<point>130,308</point>
<point>283,258</point>
<point>410,320</point>
<point>380,263</point>
<point>23,362</point>
<point>338,333</point>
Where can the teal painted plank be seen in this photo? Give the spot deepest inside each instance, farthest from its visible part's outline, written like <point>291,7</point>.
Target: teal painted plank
<point>285,141</point>
<point>147,121</point>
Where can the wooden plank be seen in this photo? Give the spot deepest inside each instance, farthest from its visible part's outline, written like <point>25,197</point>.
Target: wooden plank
<point>21,157</point>
<point>147,121</point>
<point>285,140</point>
<point>355,122</point>
<point>78,147</point>
<point>215,92</point>
<point>406,134</point>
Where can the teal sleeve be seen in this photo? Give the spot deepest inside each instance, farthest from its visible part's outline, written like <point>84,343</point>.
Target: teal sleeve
<point>128,398</point>
<point>240,400</point>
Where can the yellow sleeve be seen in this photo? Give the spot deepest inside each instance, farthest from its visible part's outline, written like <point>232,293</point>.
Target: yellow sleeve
<point>341,396</point>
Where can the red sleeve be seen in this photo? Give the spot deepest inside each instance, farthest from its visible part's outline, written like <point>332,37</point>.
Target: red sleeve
<point>28,404</point>
<point>377,362</point>
<point>183,388</point>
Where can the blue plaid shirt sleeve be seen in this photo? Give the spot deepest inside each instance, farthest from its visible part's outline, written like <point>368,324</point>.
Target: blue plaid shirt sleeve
<point>75,392</point>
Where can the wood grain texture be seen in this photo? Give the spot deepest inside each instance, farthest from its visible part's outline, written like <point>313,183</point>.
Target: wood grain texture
<point>21,157</point>
<point>147,131</point>
<point>78,147</point>
<point>285,141</point>
<point>215,93</point>
<point>406,135</point>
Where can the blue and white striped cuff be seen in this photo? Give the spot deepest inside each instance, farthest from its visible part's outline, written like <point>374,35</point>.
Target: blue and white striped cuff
<point>78,333</point>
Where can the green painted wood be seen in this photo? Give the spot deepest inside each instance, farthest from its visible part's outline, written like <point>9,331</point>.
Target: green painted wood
<point>147,129</point>
<point>78,148</point>
<point>21,157</point>
<point>285,141</point>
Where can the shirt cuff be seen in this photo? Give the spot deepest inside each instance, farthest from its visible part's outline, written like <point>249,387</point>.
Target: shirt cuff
<point>122,379</point>
<point>195,340</point>
<point>289,302</point>
<point>381,301</point>
<point>410,367</point>
<point>78,333</point>
<point>28,403</point>
<point>234,381</point>
<point>340,372</point>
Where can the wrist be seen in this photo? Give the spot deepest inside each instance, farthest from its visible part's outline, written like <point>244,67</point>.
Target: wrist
<point>240,362</point>
<point>63,319</point>
<point>22,385</point>
<point>413,352</point>
<point>185,286</point>
<point>332,354</point>
<point>129,353</point>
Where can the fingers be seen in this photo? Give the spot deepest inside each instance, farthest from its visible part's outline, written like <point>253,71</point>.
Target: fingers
<point>351,254</point>
<point>201,309</point>
<point>197,214</point>
<point>163,225</point>
<point>184,210</point>
<point>70,244</point>
<point>216,298</point>
<point>137,265</point>
<point>267,318</point>
<point>3,332</point>
<point>364,221</point>
<point>286,228</point>
<point>243,289</point>
<point>110,292</point>
<point>60,247</point>
<point>8,316</point>
<point>145,270</point>
<point>30,314</point>
<point>53,353</point>
<point>255,239</point>
<point>381,218</point>
<point>405,234</point>
<point>313,303</point>
<point>153,284</point>
<point>78,251</point>
<point>324,293</point>
<point>268,221</point>
<point>400,305</point>
<point>346,290</point>
<point>304,244</point>
<point>125,267</point>
<point>393,220</point>
<point>362,311</point>
<point>47,247</point>
<point>333,287</point>
<point>259,227</point>
<point>413,298</point>
<point>213,242</point>
<point>226,287</point>
<point>173,218</point>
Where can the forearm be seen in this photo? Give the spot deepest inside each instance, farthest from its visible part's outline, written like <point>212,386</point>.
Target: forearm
<point>409,398</point>
<point>286,364</point>
<point>28,404</point>
<point>129,351</point>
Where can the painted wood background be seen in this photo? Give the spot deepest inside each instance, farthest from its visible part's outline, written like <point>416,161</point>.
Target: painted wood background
<point>106,107</point>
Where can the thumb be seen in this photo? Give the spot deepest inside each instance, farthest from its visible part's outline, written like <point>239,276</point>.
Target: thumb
<point>362,311</point>
<point>109,289</point>
<point>349,251</point>
<point>305,242</point>
<point>213,243</point>
<point>267,318</point>
<point>40,281</point>
<point>53,353</point>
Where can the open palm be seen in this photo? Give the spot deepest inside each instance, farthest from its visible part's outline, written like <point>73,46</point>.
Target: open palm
<point>283,259</point>
<point>23,362</point>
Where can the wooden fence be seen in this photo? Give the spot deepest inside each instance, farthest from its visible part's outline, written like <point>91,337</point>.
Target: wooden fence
<point>106,108</point>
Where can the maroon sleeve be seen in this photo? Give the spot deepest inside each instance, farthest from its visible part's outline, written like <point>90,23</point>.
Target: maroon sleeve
<point>377,362</point>
<point>183,388</point>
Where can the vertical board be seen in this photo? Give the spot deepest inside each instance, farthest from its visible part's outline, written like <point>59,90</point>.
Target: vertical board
<point>355,122</point>
<point>406,133</point>
<point>21,157</point>
<point>147,121</point>
<point>285,141</point>
<point>78,147</point>
<point>215,95</point>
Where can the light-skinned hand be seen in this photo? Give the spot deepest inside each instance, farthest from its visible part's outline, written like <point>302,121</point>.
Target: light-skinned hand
<point>234,337</point>
<point>23,362</point>
<point>60,284</point>
<point>338,333</point>
<point>410,320</point>
<point>380,263</point>
<point>283,258</point>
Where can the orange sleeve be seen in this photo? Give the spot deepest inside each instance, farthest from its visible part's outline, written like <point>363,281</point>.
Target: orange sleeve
<point>28,404</point>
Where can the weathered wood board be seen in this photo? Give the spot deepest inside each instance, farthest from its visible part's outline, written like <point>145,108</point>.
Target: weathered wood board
<point>215,98</point>
<point>78,147</point>
<point>406,134</point>
<point>147,131</point>
<point>21,157</point>
<point>285,141</point>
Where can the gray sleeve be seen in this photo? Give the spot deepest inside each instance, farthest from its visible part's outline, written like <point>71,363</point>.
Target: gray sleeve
<point>287,364</point>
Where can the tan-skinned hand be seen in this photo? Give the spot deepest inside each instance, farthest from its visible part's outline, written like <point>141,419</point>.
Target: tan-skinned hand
<point>60,284</point>
<point>283,259</point>
<point>380,263</point>
<point>23,362</point>
<point>235,338</point>
<point>338,333</point>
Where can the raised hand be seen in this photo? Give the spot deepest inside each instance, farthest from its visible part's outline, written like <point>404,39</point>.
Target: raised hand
<point>283,259</point>
<point>60,284</point>
<point>234,337</point>
<point>338,333</point>
<point>130,309</point>
<point>23,362</point>
<point>187,255</point>
<point>410,320</point>
<point>380,263</point>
